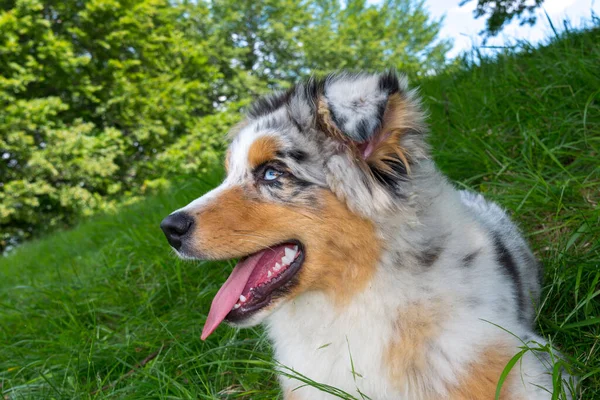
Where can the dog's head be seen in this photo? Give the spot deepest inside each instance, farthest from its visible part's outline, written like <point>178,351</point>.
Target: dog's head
<point>308,173</point>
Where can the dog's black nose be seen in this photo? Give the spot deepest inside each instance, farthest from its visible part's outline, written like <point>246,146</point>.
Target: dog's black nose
<point>175,226</point>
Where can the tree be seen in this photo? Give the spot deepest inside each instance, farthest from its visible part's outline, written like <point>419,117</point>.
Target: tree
<point>265,35</point>
<point>502,12</point>
<point>394,33</point>
<point>89,91</point>
<point>283,40</point>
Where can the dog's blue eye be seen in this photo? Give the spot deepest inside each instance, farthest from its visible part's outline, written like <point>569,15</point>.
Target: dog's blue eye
<point>271,174</point>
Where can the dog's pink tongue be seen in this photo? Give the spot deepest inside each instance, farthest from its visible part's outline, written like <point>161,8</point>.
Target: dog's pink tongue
<point>229,294</point>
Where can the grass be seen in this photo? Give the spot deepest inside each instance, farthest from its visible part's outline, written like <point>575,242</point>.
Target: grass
<point>104,310</point>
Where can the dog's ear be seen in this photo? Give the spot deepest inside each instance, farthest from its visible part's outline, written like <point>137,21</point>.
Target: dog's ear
<point>378,119</point>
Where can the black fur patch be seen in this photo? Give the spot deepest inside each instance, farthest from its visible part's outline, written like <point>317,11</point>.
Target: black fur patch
<point>388,82</point>
<point>301,183</point>
<point>294,121</point>
<point>297,155</point>
<point>339,121</point>
<point>269,122</point>
<point>390,179</point>
<point>295,189</point>
<point>313,88</point>
<point>433,250</point>
<point>362,131</point>
<point>380,111</point>
<point>429,256</point>
<point>268,104</point>
<point>275,185</point>
<point>467,261</point>
<point>507,262</point>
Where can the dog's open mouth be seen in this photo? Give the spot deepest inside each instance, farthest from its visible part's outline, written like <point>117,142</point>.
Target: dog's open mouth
<point>253,283</point>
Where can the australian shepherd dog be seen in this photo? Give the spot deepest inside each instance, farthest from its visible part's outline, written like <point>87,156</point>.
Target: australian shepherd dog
<point>370,271</point>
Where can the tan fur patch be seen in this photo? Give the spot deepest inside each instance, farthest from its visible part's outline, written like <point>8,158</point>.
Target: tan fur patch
<point>395,121</point>
<point>325,122</point>
<point>406,355</point>
<point>341,248</point>
<point>482,377</point>
<point>262,150</point>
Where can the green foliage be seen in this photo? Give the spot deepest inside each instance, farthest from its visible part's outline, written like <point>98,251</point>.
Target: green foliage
<point>328,36</point>
<point>81,308</point>
<point>90,92</point>
<point>198,152</point>
<point>397,33</point>
<point>102,100</point>
<point>501,12</point>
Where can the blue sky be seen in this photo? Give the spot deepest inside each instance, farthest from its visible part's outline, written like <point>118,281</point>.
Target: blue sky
<point>463,28</point>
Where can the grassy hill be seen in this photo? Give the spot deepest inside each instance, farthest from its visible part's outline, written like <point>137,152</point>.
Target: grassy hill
<point>106,311</point>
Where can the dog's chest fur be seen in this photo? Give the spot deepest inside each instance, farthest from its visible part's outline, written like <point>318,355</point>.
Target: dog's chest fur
<point>343,350</point>
<point>348,347</point>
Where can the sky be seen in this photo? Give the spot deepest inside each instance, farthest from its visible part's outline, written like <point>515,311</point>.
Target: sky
<point>460,25</point>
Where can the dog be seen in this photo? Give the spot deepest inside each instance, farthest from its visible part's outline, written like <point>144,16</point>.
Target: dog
<point>371,273</point>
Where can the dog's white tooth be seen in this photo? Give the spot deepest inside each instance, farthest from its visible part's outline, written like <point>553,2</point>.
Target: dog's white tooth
<point>295,249</point>
<point>242,298</point>
<point>237,305</point>
<point>269,274</point>
<point>277,266</point>
<point>290,254</point>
